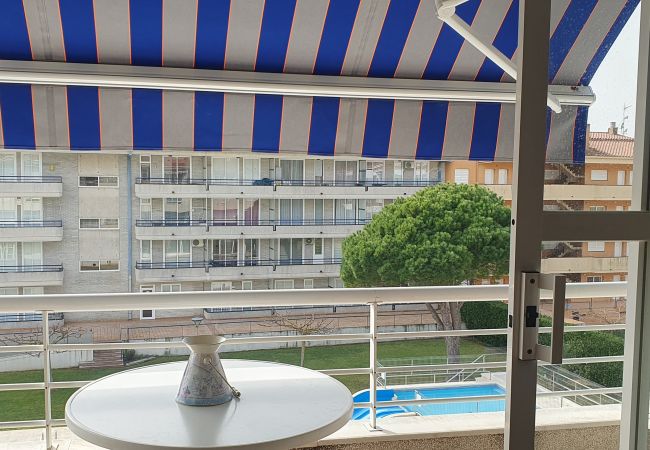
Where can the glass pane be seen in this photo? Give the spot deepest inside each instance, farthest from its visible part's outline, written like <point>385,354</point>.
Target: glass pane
<point>31,164</point>
<point>7,164</point>
<point>8,209</point>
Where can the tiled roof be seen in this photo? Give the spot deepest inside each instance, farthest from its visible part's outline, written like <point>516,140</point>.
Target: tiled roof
<point>608,145</point>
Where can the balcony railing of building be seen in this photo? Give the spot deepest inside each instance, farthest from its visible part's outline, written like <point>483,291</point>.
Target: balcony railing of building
<point>32,268</point>
<point>235,263</point>
<point>372,297</point>
<point>245,222</point>
<point>30,223</point>
<point>23,318</point>
<point>31,179</point>
<point>274,183</point>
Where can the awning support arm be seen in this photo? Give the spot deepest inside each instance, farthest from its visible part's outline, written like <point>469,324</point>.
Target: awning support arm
<point>447,13</point>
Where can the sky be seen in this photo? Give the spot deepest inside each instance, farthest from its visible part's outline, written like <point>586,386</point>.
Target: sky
<point>615,81</point>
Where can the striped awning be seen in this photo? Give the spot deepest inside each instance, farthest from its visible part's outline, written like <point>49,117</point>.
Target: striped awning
<point>369,38</point>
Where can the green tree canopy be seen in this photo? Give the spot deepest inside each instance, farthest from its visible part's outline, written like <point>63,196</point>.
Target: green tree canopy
<point>442,235</point>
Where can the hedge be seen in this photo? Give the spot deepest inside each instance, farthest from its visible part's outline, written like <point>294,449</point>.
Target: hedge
<point>482,315</point>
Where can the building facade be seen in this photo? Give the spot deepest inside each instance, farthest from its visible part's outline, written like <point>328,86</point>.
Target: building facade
<point>152,222</point>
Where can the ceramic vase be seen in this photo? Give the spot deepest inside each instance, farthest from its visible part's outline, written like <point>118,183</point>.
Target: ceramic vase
<point>204,380</point>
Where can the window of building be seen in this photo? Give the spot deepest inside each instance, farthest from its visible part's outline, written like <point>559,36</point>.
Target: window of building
<point>145,166</point>
<point>32,253</point>
<point>33,290</point>
<point>145,251</point>
<point>177,251</point>
<point>318,249</point>
<point>169,287</point>
<point>225,252</point>
<point>177,209</point>
<point>221,286</point>
<point>596,246</point>
<point>251,169</point>
<point>344,210</point>
<point>489,176</point>
<point>620,178</point>
<point>337,248</point>
<point>251,252</point>
<point>318,172</point>
<point>176,169</point>
<point>308,283</point>
<point>375,172</point>
<point>503,176</point>
<point>31,208</point>
<point>283,284</point>
<point>291,211</point>
<point>9,291</point>
<point>345,172</point>
<point>145,209</point>
<point>594,279</point>
<point>98,182</point>
<point>251,211</point>
<point>461,176</point>
<point>291,251</point>
<point>8,209</point>
<point>421,174</point>
<point>31,164</point>
<point>225,211</point>
<point>398,171</point>
<point>104,224</point>
<point>630,177</point>
<point>7,164</point>
<point>368,208</point>
<point>224,169</point>
<point>597,208</point>
<point>598,175</point>
<point>247,285</point>
<point>291,171</point>
<point>8,254</point>
<point>103,265</point>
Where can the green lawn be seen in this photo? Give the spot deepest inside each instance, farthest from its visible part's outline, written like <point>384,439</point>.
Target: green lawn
<point>29,405</point>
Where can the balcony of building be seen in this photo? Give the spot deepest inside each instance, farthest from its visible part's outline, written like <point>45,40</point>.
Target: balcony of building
<point>281,188</point>
<point>256,229</point>
<point>31,275</point>
<point>31,230</point>
<point>31,186</point>
<point>220,270</point>
<point>571,411</point>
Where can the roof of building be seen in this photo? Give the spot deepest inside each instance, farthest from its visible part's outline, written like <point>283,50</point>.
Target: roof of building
<point>610,145</point>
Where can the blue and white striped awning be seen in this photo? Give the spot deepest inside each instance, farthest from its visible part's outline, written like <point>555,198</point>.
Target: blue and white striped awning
<point>361,38</point>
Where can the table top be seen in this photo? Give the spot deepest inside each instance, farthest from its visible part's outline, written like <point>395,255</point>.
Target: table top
<point>281,407</point>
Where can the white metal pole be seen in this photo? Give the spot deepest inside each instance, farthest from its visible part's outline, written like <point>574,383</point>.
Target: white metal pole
<point>47,380</point>
<point>636,383</point>
<point>527,206</point>
<point>373,365</point>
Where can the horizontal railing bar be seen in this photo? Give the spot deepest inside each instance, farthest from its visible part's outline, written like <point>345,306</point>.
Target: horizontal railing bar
<point>22,424</point>
<point>578,328</point>
<point>440,333</point>
<point>27,348</point>
<point>286,297</point>
<point>69,384</point>
<point>431,367</point>
<point>21,386</point>
<point>589,360</point>
<point>353,371</point>
<point>570,393</point>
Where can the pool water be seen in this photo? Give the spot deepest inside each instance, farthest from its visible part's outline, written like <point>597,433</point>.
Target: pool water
<point>432,409</point>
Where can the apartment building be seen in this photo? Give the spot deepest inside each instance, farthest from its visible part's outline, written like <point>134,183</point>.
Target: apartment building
<point>152,222</point>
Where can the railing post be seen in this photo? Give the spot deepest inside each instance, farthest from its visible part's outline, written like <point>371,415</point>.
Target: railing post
<point>47,379</point>
<point>373,365</point>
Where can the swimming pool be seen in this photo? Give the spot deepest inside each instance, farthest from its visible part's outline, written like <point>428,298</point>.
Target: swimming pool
<point>432,409</point>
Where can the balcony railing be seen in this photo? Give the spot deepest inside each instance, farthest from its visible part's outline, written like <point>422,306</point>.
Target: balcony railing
<point>234,263</point>
<point>372,297</point>
<point>31,179</point>
<point>27,317</point>
<point>245,222</point>
<point>32,268</point>
<point>271,182</point>
<point>30,223</point>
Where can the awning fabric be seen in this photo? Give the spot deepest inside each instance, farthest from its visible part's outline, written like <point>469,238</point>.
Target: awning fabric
<point>370,38</point>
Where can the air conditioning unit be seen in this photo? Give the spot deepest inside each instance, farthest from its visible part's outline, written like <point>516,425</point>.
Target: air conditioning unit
<point>309,241</point>
<point>197,243</point>
<point>408,164</point>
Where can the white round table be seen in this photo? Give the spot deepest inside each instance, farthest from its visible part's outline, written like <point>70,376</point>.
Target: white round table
<point>281,407</point>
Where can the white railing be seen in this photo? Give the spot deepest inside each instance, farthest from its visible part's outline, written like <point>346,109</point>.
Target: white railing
<point>373,297</point>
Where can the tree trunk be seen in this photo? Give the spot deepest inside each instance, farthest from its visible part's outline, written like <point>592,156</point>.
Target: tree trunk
<point>447,317</point>
<point>302,354</point>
